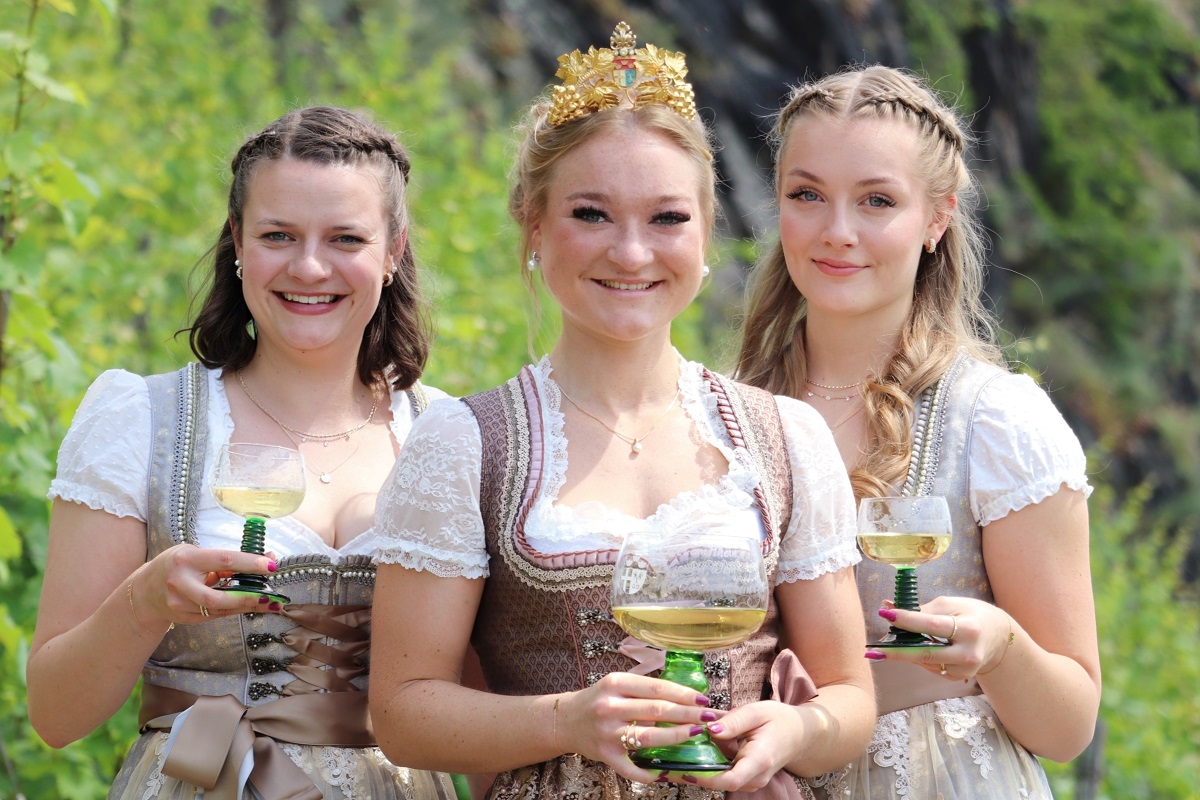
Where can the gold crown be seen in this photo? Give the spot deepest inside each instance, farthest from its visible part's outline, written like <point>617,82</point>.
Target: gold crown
<point>621,76</point>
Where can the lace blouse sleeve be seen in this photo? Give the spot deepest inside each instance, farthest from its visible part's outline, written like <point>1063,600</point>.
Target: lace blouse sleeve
<point>104,458</point>
<point>821,534</point>
<point>427,515</point>
<point>1022,450</point>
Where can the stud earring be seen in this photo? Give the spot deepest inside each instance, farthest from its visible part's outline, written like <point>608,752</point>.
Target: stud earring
<point>533,261</point>
<point>705,271</point>
<point>237,262</point>
<point>389,279</point>
<point>931,245</point>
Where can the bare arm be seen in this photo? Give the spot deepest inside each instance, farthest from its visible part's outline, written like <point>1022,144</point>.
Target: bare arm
<point>424,718</point>
<point>91,623</point>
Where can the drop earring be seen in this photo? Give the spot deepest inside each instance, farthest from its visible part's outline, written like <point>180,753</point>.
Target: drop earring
<point>931,245</point>
<point>533,261</point>
<point>237,262</point>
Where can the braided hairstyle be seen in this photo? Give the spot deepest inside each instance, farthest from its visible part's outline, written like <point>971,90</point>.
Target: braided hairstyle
<point>947,313</point>
<point>398,335</point>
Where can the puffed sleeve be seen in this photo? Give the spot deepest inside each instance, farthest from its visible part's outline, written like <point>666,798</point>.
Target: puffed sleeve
<point>427,515</point>
<point>104,458</point>
<point>1022,450</point>
<point>821,534</point>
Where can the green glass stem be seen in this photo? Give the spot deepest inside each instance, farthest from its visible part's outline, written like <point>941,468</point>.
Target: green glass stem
<point>254,536</point>
<point>906,599</point>
<point>697,754</point>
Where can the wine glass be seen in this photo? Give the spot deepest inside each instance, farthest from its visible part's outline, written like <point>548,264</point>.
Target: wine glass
<point>687,593</point>
<point>904,532</point>
<point>258,482</point>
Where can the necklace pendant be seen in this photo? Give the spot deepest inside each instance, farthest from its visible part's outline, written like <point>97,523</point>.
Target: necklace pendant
<point>325,478</point>
<point>636,447</point>
<point>325,443</point>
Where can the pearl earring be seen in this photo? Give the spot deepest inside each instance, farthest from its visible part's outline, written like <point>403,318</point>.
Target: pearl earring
<point>930,245</point>
<point>533,261</point>
<point>705,271</point>
<point>237,262</point>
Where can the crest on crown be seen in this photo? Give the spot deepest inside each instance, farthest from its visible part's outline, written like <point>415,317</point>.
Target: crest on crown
<point>625,76</point>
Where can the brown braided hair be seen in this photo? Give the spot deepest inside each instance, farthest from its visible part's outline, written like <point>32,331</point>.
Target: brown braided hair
<point>947,313</point>
<point>398,335</point>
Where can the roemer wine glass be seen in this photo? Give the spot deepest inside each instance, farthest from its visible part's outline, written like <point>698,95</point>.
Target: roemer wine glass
<point>904,532</point>
<point>258,482</point>
<point>687,593</point>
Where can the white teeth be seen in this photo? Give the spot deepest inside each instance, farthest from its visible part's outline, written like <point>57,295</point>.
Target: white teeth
<point>626,286</point>
<point>308,299</point>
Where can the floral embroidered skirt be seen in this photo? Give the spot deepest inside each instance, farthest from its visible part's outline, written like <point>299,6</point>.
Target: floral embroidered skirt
<point>340,773</point>
<point>573,776</point>
<point>952,749</point>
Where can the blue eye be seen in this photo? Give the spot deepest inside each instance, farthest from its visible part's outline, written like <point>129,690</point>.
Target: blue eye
<point>589,214</point>
<point>672,218</point>
<point>880,201</point>
<point>807,195</point>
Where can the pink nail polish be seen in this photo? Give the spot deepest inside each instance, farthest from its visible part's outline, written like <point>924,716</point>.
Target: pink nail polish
<point>690,779</point>
<point>276,606</point>
<point>262,601</point>
<point>874,655</point>
<point>716,727</point>
<point>887,614</point>
<point>701,700</point>
<point>707,716</point>
<point>695,730</point>
<point>272,566</point>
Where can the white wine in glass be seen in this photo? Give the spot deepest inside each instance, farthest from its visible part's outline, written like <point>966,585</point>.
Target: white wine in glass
<point>703,589</point>
<point>257,482</point>
<point>904,532</point>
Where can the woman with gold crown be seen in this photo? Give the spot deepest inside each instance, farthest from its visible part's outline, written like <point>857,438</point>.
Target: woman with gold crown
<point>506,510</point>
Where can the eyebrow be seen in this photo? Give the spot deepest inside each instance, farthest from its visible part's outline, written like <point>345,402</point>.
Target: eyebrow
<point>283,223</point>
<point>806,175</point>
<point>600,197</point>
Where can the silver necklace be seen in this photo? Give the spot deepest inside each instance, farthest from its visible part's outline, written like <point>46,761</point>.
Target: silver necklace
<point>634,442</point>
<point>852,395</point>
<point>323,438</point>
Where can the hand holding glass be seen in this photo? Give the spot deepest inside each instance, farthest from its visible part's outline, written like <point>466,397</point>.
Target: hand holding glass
<point>904,532</point>
<point>688,593</point>
<point>258,482</point>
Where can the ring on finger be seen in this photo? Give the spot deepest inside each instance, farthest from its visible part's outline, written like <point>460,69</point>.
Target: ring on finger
<point>629,739</point>
<point>943,672</point>
<point>203,610</point>
<point>953,630</point>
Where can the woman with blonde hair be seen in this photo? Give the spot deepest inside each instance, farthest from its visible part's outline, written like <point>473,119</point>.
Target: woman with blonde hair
<point>868,309</point>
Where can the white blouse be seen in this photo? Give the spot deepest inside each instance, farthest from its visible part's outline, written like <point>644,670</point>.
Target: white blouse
<point>1021,449</point>
<point>104,461</point>
<point>428,513</point>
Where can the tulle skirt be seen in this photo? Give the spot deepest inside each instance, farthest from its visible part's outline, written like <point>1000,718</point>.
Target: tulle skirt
<point>341,773</point>
<point>952,749</point>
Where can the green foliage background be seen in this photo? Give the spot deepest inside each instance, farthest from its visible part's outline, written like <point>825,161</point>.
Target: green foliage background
<point>117,122</point>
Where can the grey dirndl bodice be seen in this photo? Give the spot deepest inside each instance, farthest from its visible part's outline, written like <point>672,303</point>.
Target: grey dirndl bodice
<point>940,465</point>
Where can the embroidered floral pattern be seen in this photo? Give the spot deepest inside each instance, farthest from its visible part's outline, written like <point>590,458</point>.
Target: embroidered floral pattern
<point>960,720</point>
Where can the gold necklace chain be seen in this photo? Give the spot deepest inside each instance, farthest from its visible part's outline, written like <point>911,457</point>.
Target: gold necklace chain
<point>852,395</point>
<point>323,438</point>
<point>634,442</point>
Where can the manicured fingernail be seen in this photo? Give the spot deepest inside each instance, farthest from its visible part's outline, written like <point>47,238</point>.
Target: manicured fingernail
<point>874,655</point>
<point>272,566</point>
<point>690,779</point>
<point>276,606</point>
<point>716,727</point>
<point>701,700</point>
<point>887,614</point>
<point>263,600</point>
<point>707,716</point>
<point>661,778</point>
<point>695,730</point>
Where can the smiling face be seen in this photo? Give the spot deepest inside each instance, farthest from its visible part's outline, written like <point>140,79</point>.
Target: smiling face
<point>314,247</point>
<point>622,235</point>
<point>854,215</point>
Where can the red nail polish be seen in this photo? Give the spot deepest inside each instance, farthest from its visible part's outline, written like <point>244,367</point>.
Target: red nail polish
<point>263,600</point>
<point>690,779</point>
<point>874,655</point>
<point>272,566</point>
<point>276,606</point>
<point>707,716</point>
<point>887,614</point>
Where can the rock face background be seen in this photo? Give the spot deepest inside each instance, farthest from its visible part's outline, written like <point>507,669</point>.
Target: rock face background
<point>1069,259</point>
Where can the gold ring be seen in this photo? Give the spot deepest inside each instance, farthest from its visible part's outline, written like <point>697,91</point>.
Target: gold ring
<point>629,739</point>
<point>203,611</point>
<point>953,630</point>
<point>943,672</point>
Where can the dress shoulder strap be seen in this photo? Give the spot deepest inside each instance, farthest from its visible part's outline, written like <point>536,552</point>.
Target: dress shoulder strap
<point>179,443</point>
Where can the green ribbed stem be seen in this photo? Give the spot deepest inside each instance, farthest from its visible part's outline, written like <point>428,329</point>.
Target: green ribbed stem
<point>697,754</point>
<point>906,599</point>
<point>254,536</point>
